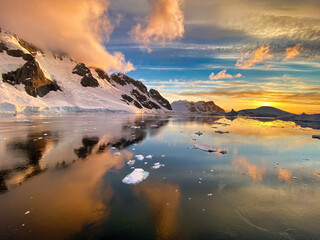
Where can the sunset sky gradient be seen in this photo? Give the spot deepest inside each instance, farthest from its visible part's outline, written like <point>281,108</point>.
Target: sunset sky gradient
<point>238,53</point>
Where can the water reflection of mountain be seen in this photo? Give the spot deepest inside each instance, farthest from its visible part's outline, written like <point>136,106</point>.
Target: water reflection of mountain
<point>32,150</point>
<point>35,147</point>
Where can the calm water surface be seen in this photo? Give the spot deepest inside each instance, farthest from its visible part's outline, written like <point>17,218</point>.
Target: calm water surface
<point>61,178</point>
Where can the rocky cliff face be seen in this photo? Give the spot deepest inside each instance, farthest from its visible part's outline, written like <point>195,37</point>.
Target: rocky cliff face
<point>196,107</point>
<point>33,79</point>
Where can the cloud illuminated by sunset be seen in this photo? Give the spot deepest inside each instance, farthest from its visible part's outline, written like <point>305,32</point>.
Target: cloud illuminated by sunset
<point>77,28</point>
<point>257,56</point>
<point>166,22</point>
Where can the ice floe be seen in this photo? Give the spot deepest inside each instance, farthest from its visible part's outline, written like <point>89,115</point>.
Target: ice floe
<point>221,132</point>
<point>198,133</point>
<point>131,162</point>
<point>209,148</point>
<point>149,156</point>
<point>139,157</point>
<point>137,176</point>
<point>157,165</point>
<point>22,121</point>
<point>316,136</point>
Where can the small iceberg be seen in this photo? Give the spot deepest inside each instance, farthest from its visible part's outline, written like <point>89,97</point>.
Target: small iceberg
<point>135,127</point>
<point>157,165</point>
<point>208,148</point>
<point>139,157</point>
<point>131,162</point>
<point>316,136</point>
<point>137,176</point>
<point>149,156</point>
<point>198,133</point>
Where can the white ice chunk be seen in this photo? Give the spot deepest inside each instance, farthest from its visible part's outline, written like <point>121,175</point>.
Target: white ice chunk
<point>131,162</point>
<point>149,156</point>
<point>116,153</point>
<point>157,165</point>
<point>27,212</point>
<point>22,120</point>
<point>137,176</point>
<point>139,157</point>
<point>135,127</point>
<point>209,148</point>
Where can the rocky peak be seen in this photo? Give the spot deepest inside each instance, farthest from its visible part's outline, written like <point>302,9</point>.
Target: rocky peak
<point>161,100</point>
<point>32,77</point>
<point>87,79</point>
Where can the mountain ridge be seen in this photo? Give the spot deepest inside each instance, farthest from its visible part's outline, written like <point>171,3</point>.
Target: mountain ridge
<point>196,107</point>
<point>32,80</point>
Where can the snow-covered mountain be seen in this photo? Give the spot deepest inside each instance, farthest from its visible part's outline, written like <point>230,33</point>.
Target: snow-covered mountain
<point>196,107</point>
<point>35,81</point>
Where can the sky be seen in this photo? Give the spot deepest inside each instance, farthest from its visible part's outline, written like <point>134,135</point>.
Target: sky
<point>237,53</point>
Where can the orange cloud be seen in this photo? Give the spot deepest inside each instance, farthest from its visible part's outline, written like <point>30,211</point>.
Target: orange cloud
<point>259,55</point>
<point>165,23</point>
<point>77,28</point>
<point>293,52</point>
<point>223,75</point>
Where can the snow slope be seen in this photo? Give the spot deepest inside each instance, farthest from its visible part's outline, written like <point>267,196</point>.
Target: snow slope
<point>108,96</point>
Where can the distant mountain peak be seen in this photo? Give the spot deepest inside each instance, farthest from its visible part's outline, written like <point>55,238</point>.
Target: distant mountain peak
<point>196,107</point>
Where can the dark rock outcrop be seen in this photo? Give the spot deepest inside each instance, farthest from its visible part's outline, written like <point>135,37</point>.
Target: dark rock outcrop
<point>233,113</point>
<point>117,79</point>
<point>81,69</point>
<point>3,47</point>
<point>31,48</point>
<point>161,100</point>
<point>31,75</point>
<point>102,74</point>
<point>142,99</point>
<point>88,80</point>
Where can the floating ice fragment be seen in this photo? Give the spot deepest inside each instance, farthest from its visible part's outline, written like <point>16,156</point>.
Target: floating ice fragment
<point>22,120</point>
<point>137,176</point>
<point>198,133</point>
<point>316,136</point>
<point>157,165</point>
<point>149,156</point>
<point>113,148</point>
<point>22,225</point>
<point>221,132</point>
<point>27,212</point>
<point>135,127</point>
<point>145,162</point>
<point>207,148</point>
<point>131,162</point>
<point>139,157</point>
<point>133,149</point>
<point>209,194</point>
<point>163,155</point>
<point>294,177</point>
<point>116,153</point>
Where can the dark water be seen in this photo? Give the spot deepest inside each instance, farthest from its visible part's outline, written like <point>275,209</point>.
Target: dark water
<point>61,178</point>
